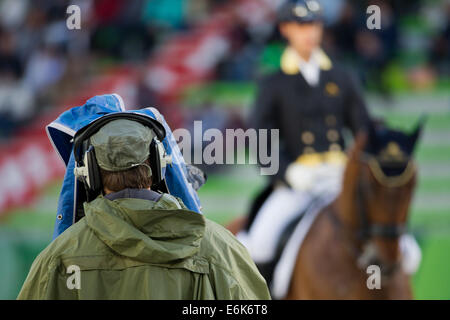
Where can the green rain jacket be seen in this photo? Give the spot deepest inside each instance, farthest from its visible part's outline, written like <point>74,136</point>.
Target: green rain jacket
<point>133,248</point>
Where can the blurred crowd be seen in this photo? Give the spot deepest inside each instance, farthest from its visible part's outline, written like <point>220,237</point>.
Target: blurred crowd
<point>41,60</point>
<point>414,32</point>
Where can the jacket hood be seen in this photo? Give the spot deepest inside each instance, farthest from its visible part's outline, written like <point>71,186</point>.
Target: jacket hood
<point>148,231</point>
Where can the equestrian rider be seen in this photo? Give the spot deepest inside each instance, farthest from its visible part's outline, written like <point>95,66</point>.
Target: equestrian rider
<point>314,102</point>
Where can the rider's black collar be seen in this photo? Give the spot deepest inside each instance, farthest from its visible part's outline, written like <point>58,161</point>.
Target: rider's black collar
<point>134,194</point>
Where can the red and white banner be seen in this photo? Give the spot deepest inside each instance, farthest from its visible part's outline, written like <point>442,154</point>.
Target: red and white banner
<point>25,167</point>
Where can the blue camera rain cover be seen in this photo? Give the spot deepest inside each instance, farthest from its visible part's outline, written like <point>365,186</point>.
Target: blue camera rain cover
<point>62,130</point>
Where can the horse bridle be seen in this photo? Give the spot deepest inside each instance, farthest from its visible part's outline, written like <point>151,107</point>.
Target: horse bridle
<point>367,230</point>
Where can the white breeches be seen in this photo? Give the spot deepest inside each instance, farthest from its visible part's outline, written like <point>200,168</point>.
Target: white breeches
<point>284,204</point>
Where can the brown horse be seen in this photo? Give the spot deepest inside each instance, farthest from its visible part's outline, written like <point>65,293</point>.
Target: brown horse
<point>360,228</point>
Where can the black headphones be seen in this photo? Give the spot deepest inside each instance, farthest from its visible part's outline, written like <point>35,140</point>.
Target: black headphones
<point>86,167</point>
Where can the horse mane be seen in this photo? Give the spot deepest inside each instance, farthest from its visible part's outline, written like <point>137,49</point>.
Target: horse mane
<point>347,198</point>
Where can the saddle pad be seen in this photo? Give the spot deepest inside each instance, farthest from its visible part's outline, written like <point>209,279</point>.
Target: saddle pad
<point>284,267</point>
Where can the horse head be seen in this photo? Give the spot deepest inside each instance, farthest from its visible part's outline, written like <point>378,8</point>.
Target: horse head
<point>378,186</point>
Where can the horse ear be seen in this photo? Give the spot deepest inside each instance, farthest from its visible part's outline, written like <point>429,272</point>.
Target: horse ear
<point>414,136</point>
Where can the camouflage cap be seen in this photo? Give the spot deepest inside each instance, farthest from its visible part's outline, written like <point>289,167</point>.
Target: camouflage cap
<point>122,144</point>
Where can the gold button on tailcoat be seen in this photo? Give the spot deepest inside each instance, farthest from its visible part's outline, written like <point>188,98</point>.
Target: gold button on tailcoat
<point>335,147</point>
<point>332,135</point>
<point>308,137</point>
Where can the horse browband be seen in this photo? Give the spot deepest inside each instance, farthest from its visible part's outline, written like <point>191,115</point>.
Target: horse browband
<point>394,181</point>
<point>387,181</point>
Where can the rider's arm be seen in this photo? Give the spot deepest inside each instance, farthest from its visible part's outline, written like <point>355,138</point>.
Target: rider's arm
<point>265,115</point>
